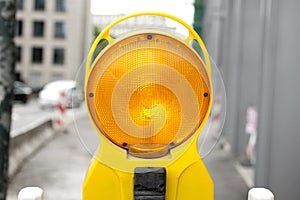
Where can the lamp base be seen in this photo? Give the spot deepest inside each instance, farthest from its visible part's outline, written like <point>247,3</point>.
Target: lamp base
<point>188,182</point>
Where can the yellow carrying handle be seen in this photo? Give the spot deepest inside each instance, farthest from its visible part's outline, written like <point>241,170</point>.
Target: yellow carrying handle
<point>105,35</point>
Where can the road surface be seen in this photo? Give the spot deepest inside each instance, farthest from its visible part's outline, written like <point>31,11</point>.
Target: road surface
<point>59,168</point>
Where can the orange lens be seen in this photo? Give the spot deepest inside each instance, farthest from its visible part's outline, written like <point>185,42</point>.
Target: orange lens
<point>148,92</point>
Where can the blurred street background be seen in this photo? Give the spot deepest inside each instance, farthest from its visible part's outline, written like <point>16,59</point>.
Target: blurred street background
<point>254,43</point>
<point>59,167</point>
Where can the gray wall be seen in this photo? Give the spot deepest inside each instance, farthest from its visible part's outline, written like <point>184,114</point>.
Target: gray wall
<point>278,149</point>
<point>258,52</point>
<point>239,56</point>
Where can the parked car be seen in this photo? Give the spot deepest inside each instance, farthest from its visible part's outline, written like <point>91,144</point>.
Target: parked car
<point>51,94</point>
<point>22,91</point>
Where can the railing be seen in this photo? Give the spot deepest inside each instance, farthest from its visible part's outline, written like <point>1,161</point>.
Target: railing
<point>35,193</point>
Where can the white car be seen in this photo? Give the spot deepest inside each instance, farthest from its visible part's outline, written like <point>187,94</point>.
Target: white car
<point>51,94</point>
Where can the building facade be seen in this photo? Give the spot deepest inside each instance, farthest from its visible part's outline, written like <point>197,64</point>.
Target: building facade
<point>52,38</point>
<point>146,21</point>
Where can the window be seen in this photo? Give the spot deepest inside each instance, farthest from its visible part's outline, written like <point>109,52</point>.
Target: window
<point>38,29</point>
<point>60,30</point>
<point>61,5</point>
<point>20,4</point>
<point>39,4</point>
<point>19,28</point>
<point>37,55</point>
<point>58,56</point>
<point>18,54</point>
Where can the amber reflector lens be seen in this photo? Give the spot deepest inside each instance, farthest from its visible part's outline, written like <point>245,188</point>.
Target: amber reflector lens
<point>148,92</point>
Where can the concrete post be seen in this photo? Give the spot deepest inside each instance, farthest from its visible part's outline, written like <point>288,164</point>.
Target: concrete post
<point>31,193</point>
<point>260,194</point>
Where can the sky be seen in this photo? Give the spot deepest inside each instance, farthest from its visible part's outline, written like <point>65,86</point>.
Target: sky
<point>183,9</point>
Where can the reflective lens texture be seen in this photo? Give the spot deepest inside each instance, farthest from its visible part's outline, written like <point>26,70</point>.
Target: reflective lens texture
<point>147,93</point>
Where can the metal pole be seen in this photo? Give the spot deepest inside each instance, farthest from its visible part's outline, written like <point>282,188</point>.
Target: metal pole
<point>199,16</point>
<point>7,49</point>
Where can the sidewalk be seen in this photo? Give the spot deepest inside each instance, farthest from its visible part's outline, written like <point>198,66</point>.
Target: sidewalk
<point>229,185</point>
<point>59,168</point>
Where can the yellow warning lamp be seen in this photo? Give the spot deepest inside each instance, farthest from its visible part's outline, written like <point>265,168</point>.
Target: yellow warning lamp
<point>148,94</point>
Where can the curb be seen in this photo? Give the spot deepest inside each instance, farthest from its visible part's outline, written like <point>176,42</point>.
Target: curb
<point>26,141</point>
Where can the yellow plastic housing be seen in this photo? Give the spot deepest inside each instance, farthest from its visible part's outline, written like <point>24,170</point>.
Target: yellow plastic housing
<point>149,94</point>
